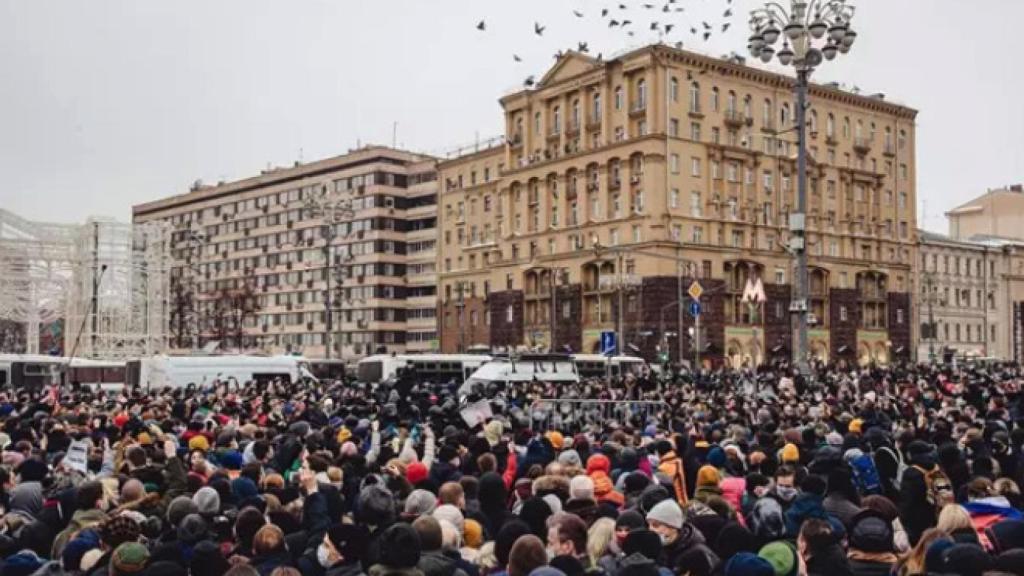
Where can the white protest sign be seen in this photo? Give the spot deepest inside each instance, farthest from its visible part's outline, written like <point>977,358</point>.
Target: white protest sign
<point>77,457</point>
<point>476,413</point>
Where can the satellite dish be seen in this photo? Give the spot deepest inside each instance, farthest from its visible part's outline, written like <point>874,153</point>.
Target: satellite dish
<point>813,58</point>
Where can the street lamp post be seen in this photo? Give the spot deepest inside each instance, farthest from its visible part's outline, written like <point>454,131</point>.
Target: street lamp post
<point>812,31</point>
<point>931,297</point>
<point>330,211</point>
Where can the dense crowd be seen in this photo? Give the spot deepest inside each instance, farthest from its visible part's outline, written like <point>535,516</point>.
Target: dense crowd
<point>904,470</point>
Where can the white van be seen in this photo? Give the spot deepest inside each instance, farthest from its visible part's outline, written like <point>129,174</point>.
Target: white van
<point>523,368</point>
<point>180,371</point>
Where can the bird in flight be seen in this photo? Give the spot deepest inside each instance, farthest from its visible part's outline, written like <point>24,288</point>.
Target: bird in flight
<point>517,58</point>
<point>538,29</point>
<point>529,81</point>
<point>481,26</point>
<point>728,12</point>
<point>583,47</point>
<point>726,26</point>
<point>578,13</point>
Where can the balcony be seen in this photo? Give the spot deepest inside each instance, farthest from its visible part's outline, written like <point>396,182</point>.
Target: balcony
<point>831,140</point>
<point>768,126</point>
<point>696,112</point>
<point>638,109</point>
<point>555,134</point>
<point>862,145</point>
<point>594,122</point>
<point>572,129</point>
<point>736,119</point>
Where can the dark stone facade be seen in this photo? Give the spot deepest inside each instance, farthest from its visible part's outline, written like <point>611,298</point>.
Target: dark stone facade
<point>503,332</point>
<point>473,330</point>
<point>899,332</point>
<point>778,328</point>
<point>843,334</point>
<point>569,331</point>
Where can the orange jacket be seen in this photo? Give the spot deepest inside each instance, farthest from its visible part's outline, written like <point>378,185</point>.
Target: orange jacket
<point>671,466</point>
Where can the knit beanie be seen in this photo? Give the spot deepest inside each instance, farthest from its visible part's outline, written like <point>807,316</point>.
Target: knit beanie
<point>129,558</point>
<point>643,541</point>
<point>473,534</point>
<point>708,476</point>
<point>118,530</point>
<point>416,472</point>
<point>790,453</point>
<point>84,541</point>
<point>507,537</point>
<point>667,512</point>
<point>400,546</point>
<point>967,560</point>
<point>747,564</point>
<point>207,501</point>
<point>420,502</point>
<point>452,514</point>
<point>570,457</point>
<point>199,442</point>
<point>716,457</point>
<point>935,556</point>
<point>782,557</point>
<point>192,529</point>
<point>630,520</point>
<point>179,508</point>
<point>207,560</point>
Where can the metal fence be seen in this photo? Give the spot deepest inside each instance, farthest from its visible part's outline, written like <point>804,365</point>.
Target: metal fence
<point>566,414</point>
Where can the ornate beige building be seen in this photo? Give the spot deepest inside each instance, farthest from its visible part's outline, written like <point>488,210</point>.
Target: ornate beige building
<point>250,257</point>
<point>998,212</point>
<point>613,170</point>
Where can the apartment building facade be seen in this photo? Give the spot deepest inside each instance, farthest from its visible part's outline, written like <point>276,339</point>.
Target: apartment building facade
<point>338,251</point>
<point>998,212</point>
<point>615,171</point>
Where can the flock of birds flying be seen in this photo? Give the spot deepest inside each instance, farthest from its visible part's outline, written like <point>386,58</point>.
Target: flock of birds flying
<point>621,17</point>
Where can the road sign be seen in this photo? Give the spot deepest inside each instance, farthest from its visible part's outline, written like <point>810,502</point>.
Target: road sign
<point>607,342</point>
<point>695,290</point>
<point>695,308</point>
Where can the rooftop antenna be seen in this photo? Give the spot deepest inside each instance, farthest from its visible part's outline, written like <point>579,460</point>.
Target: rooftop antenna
<point>300,155</point>
<point>394,134</point>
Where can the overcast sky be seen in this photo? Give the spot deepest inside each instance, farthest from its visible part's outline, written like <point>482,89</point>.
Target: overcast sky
<point>109,103</point>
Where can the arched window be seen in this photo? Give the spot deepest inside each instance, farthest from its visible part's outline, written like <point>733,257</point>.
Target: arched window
<point>596,107</point>
<point>694,97</point>
<point>859,130</point>
<point>846,127</point>
<point>888,138</point>
<point>556,123</point>
<point>714,99</point>
<point>818,291</point>
<point>747,112</point>
<point>618,97</point>
<point>674,89</point>
<point>575,120</point>
<point>874,296</point>
<point>768,113</point>
<point>784,115</point>
<point>812,122</point>
<point>731,102</point>
<point>536,123</point>
<point>830,126</point>
<point>641,94</point>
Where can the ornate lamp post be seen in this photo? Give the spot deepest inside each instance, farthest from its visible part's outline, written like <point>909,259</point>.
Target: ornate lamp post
<point>811,32</point>
<point>331,211</point>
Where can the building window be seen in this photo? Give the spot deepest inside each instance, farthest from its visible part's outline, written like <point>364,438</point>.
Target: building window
<point>695,97</point>
<point>509,314</point>
<point>673,198</point>
<point>873,290</point>
<point>677,232</point>
<point>843,314</point>
<point>714,99</point>
<point>696,207</point>
<point>698,235</point>
<point>618,97</point>
<point>674,89</point>
<point>673,128</point>
<point>695,131</point>
<point>694,165</point>
<point>641,94</point>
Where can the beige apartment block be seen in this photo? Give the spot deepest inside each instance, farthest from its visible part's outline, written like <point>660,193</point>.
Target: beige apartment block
<point>998,213</point>
<point>611,171</point>
<point>256,261</point>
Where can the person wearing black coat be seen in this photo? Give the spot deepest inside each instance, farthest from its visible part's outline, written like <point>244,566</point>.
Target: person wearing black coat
<point>493,502</point>
<point>917,514</point>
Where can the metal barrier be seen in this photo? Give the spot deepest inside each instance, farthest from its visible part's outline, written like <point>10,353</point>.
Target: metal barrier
<point>574,415</point>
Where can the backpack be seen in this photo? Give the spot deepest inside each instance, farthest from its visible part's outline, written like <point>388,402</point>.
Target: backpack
<point>936,483</point>
<point>901,466</point>
<point>865,474</point>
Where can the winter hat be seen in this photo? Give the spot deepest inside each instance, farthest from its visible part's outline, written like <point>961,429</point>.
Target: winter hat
<point>192,529</point>
<point>834,439</point>
<point>179,508</point>
<point>528,554</point>
<point>535,512</point>
<point>452,514</point>
<point>630,520</point>
<point>935,556</point>
<point>32,470</point>
<point>244,489</point>
<point>635,482</point>
<point>376,505</point>
<point>856,426</point>
<point>871,532</point>
<point>581,487</point>
<point>643,541</point>
<point>86,540</point>
<point>23,563</point>
<point>473,534</point>
<point>207,501</point>
<point>667,512</point>
<point>416,472</point>
<point>493,431</point>
<point>570,458</point>
<point>716,457</point>
<point>199,442</point>
<point>556,439</point>
<point>118,530</point>
<point>553,503</point>
<point>400,546</point>
<point>207,560</point>
<point>708,476</point>
<point>967,560</point>
<point>637,565</point>
<point>747,564</point>
<point>350,540</point>
<point>420,502</point>
<point>129,558</point>
<point>507,537</point>
<point>782,556</point>
<point>790,453</point>
<point>1007,535</point>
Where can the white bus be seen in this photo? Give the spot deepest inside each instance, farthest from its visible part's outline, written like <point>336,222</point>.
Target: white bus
<point>428,367</point>
<point>597,365</point>
<point>523,368</point>
<point>34,371</point>
<point>180,371</point>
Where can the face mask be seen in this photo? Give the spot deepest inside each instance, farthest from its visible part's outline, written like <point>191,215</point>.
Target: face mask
<point>323,556</point>
<point>664,539</point>
<point>551,554</point>
<point>787,492</point>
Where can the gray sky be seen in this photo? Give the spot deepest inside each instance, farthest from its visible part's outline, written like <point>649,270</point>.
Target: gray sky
<point>109,103</point>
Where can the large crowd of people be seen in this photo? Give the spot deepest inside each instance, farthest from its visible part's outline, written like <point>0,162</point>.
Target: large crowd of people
<point>870,471</point>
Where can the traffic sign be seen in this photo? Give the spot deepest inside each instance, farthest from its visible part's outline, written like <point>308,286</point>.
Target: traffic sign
<point>695,308</point>
<point>607,342</point>
<point>695,290</point>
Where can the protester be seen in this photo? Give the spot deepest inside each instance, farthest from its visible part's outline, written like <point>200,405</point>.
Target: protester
<point>903,470</point>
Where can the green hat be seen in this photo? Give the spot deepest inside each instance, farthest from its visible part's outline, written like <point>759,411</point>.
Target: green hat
<point>129,558</point>
<point>782,556</point>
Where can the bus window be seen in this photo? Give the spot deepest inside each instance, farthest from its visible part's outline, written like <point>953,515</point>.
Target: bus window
<point>3,377</point>
<point>371,371</point>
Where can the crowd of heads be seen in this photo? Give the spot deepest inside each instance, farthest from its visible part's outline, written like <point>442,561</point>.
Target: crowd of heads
<point>899,470</point>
